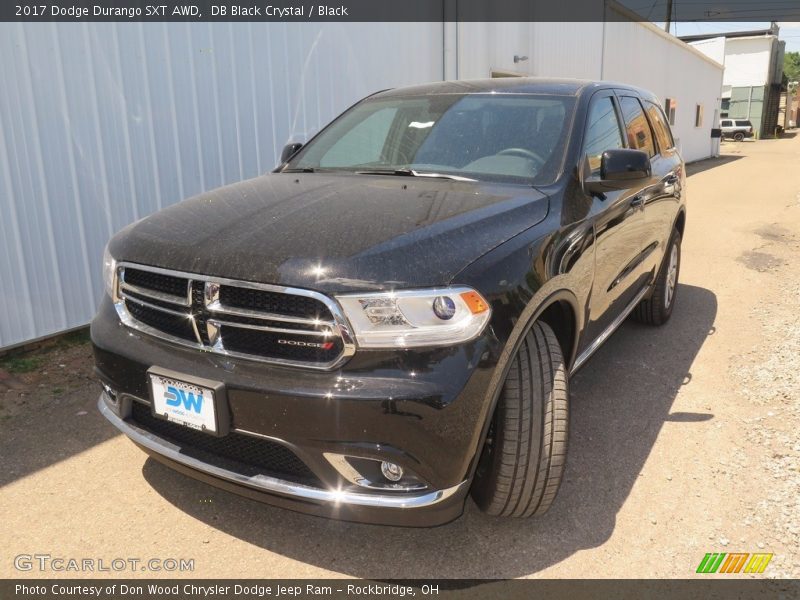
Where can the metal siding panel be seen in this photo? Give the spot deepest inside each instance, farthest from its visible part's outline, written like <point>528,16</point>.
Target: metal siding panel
<point>16,308</point>
<point>102,124</point>
<point>26,165</point>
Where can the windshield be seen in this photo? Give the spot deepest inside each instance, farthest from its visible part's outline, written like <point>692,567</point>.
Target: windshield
<point>491,137</point>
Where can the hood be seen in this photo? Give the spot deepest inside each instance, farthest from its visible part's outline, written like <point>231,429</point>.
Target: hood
<point>333,232</point>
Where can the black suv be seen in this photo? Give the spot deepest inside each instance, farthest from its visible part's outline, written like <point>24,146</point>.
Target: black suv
<point>389,320</point>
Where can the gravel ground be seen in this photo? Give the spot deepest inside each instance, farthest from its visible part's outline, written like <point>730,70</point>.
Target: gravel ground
<point>684,439</point>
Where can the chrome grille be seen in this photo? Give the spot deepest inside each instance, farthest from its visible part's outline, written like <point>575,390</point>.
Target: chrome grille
<point>238,318</point>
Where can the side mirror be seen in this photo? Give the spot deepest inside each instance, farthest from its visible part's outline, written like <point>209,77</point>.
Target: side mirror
<point>289,150</point>
<point>620,169</point>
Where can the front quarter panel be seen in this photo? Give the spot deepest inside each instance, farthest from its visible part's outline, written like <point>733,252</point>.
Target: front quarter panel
<point>520,279</point>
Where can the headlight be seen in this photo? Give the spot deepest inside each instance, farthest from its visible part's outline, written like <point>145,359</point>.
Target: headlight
<point>109,273</point>
<point>411,318</point>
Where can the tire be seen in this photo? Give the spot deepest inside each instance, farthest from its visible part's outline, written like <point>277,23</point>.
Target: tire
<point>522,462</point>
<point>739,136</point>
<point>657,309</point>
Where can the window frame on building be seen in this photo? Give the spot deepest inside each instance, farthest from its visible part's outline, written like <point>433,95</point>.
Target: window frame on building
<point>698,115</point>
<point>670,109</point>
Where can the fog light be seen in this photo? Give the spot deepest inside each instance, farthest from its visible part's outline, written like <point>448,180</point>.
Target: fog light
<point>444,307</point>
<point>391,471</point>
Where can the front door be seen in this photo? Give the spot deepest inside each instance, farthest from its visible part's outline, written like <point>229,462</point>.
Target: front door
<point>618,220</point>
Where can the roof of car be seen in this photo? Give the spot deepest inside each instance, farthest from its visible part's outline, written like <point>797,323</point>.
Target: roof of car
<point>507,85</point>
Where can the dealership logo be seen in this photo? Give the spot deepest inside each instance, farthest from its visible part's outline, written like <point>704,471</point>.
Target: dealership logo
<point>743,562</point>
<point>176,397</point>
<point>322,346</point>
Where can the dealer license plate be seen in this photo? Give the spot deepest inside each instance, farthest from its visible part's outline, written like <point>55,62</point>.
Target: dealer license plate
<point>183,403</point>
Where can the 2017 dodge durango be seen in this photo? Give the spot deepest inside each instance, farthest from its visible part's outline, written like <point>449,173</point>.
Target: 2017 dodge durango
<point>387,323</point>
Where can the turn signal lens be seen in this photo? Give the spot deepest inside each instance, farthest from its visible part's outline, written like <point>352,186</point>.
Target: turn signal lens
<point>475,302</point>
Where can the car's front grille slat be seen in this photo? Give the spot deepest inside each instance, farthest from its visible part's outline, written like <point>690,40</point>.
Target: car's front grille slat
<point>273,321</point>
<point>256,321</point>
<point>268,326</point>
<point>174,325</point>
<point>144,299</point>
<point>244,313</point>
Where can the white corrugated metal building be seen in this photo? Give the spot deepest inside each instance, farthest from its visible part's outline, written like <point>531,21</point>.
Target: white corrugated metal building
<point>102,124</point>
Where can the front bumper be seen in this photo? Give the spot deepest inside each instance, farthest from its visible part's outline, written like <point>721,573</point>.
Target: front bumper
<point>439,506</point>
<point>422,410</point>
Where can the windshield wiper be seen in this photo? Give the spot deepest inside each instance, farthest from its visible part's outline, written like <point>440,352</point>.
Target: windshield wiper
<point>412,173</point>
<point>398,172</point>
<point>301,170</point>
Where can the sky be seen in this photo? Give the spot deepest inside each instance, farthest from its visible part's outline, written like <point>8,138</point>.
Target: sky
<point>790,32</point>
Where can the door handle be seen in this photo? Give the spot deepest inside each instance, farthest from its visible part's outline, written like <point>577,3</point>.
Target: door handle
<point>669,184</point>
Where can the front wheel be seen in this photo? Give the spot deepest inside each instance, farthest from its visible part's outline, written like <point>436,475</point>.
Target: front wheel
<point>657,309</point>
<point>520,468</point>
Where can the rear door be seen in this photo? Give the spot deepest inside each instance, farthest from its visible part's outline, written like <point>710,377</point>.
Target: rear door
<point>661,205</point>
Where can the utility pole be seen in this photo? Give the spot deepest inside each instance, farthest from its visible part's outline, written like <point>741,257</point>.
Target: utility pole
<point>668,19</point>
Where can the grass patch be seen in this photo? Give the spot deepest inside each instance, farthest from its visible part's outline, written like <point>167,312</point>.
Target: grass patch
<point>74,338</point>
<point>25,360</point>
<point>21,364</point>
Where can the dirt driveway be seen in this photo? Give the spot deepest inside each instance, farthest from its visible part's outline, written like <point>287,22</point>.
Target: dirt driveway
<point>684,439</point>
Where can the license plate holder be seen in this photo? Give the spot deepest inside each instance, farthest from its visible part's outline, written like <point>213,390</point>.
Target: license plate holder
<point>192,402</point>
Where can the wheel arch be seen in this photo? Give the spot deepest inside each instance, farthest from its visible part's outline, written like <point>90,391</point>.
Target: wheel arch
<point>561,316</point>
<point>560,307</point>
<point>680,221</point>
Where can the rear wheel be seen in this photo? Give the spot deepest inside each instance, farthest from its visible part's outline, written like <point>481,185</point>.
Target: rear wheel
<point>520,468</point>
<point>657,309</point>
<point>738,136</point>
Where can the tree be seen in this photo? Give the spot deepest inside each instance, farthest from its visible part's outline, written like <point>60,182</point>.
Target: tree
<point>791,66</point>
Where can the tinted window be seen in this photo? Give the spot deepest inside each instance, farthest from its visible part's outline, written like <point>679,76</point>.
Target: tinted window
<point>363,143</point>
<point>726,123</point>
<point>495,137</point>
<point>639,135</point>
<point>659,122</point>
<point>602,131</point>
<point>744,123</point>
